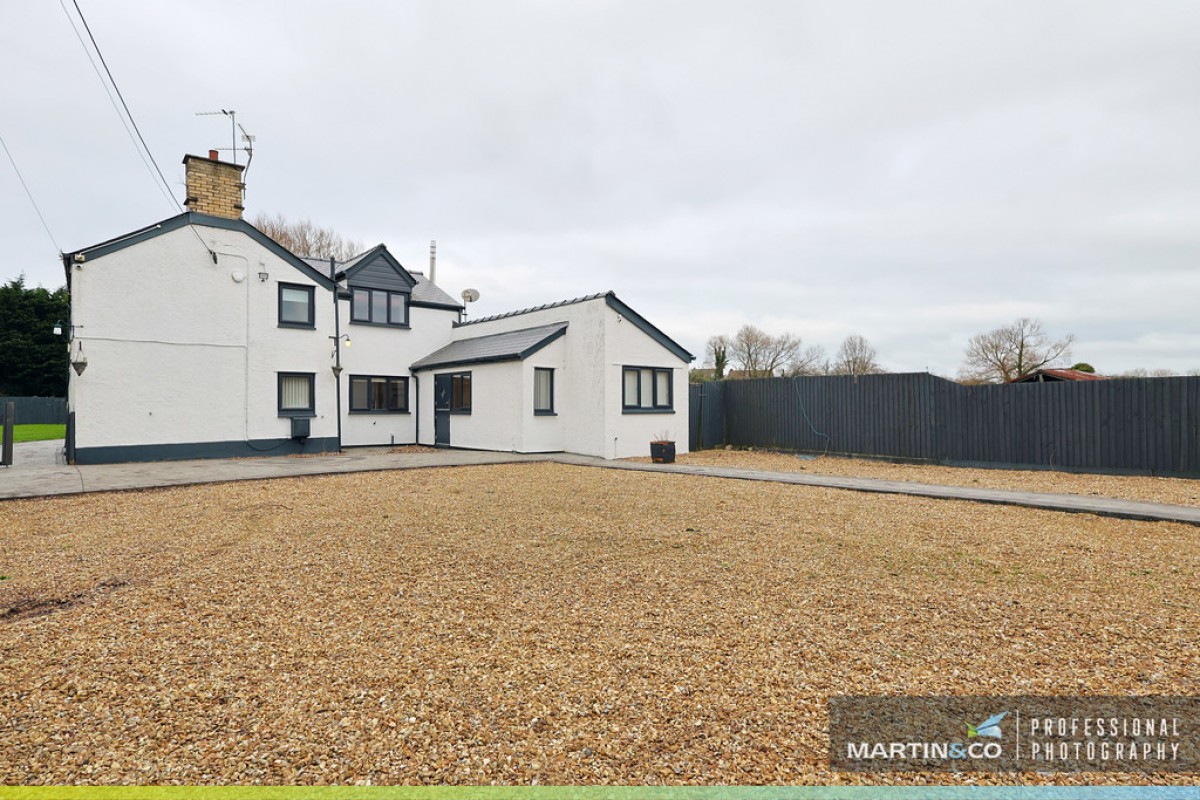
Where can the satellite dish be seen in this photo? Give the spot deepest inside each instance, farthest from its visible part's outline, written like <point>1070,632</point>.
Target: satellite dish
<point>470,295</point>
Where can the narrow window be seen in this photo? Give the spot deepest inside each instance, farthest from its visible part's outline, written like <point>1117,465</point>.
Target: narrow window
<point>631,388</point>
<point>296,394</point>
<point>360,310</point>
<point>379,307</point>
<point>543,390</point>
<point>397,309</point>
<point>662,388</point>
<point>296,306</point>
<point>460,393</point>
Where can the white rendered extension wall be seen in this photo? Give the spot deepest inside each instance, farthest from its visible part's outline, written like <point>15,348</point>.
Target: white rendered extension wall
<point>630,434</point>
<point>383,351</point>
<point>588,386</point>
<point>181,350</point>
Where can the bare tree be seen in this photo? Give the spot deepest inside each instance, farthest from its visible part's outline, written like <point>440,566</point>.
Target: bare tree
<point>811,361</point>
<point>718,354</point>
<point>759,353</point>
<point>305,238</point>
<point>856,357</point>
<point>1012,351</point>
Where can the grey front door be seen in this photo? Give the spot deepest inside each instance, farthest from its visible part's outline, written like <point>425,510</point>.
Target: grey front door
<point>441,410</point>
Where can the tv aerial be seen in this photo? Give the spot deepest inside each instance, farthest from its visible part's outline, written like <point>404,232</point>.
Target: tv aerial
<point>234,127</point>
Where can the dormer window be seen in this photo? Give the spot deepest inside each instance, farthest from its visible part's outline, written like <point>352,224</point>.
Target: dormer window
<point>379,307</point>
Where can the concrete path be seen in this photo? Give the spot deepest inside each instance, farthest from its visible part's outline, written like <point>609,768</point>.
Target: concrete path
<point>45,453</point>
<point>41,481</point>
<point>1104,506</point>
<point>46,480</point>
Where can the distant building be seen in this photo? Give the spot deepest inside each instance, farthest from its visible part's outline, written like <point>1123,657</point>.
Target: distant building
<point>1057,376</point>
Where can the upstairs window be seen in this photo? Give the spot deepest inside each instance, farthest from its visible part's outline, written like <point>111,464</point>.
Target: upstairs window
<point>375,394</point>
<point>647,390</point>
<point>379,307</point>
<point>296,306</point>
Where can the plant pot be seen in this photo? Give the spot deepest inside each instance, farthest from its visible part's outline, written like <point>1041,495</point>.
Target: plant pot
<point>662,452</point>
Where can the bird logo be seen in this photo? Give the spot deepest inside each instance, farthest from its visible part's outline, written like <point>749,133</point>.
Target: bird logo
<point>989,727</point>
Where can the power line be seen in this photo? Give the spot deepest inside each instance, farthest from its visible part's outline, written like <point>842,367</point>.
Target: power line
<point>144,151</point>
<point>124,122</point>
<point>124,105</point>
<point>29,194</point>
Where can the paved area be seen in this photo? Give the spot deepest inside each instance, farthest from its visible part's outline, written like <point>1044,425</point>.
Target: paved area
<point>46,479</point>
<point>45,453</point>
<point>1104,506</point>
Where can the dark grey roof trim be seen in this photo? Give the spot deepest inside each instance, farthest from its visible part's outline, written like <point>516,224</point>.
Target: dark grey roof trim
<point>440,306</point>
<point>614,303</point>
<point>506,315</point>
<point>644,325</point>
<point>194,218</point>
<point>451,357</point>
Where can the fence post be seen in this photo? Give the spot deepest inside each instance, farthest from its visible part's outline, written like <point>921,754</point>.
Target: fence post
<point>6,450</point>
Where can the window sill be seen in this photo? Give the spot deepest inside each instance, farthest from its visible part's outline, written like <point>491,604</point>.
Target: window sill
<point>297,414</point>
<point>381,325</point>
<point>371,412</point>
<point>537,413</point>
<point>647,411</point>
<point>303,325</point>
<point>466,412</point>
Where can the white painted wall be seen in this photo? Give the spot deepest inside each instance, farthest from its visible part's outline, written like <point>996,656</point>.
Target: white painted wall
<point>631,434</point>
<point>160,322</point>
<point>377,350</point>
<point>588,386</point>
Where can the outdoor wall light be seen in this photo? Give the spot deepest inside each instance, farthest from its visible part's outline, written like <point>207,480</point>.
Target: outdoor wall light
<point>79,361</point>
<point>262,276</point>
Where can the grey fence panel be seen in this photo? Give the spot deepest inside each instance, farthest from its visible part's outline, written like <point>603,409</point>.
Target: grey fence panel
<point>1148,425</point>
<point>39,410</point>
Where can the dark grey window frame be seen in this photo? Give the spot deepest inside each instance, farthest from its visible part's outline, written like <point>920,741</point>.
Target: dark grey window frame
<point>458,377</point>
<point>388,379</point>
<point>370,320</point>
<point>311,411</point>
<point>656,405</point>
<point>543,412</point>
<point>312,306</point>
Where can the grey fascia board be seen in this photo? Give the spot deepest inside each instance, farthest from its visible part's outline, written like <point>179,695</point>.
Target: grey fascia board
<point>193,218</point>
<point>644,325</point>
<point>465,362</point>
<point>441,306</point>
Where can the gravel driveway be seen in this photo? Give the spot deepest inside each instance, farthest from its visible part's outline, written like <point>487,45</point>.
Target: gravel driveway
<point>547,622</point>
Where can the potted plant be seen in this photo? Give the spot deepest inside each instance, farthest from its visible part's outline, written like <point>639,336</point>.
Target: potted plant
<point>662,449</point>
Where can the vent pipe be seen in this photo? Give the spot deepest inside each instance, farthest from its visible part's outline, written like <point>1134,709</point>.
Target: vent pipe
<point>433,261</point>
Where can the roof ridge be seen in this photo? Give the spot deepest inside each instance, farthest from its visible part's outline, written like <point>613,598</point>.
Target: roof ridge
<point>530,310</point>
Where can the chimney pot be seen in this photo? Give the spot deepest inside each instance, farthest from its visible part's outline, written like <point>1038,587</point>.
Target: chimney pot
<point>212,154</point>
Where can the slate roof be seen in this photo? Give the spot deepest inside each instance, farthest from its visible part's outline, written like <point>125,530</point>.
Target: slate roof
<point>424,292</point>
<point>511,346</point>
<point>613,302</point>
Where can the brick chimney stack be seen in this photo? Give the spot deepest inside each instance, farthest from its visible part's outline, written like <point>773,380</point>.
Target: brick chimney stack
<point>214,187</point>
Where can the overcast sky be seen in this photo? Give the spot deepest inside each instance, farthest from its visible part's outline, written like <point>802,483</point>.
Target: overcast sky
<point>912,172</point>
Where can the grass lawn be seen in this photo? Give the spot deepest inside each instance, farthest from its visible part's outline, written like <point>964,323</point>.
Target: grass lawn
<point>542,621</point>
<point>38,433</point>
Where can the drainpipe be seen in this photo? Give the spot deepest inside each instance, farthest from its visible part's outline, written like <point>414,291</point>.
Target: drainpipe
<point>337,349</point>
<point>417,408</point>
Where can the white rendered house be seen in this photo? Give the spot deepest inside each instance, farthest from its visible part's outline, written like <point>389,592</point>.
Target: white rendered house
<point>199,336</point>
